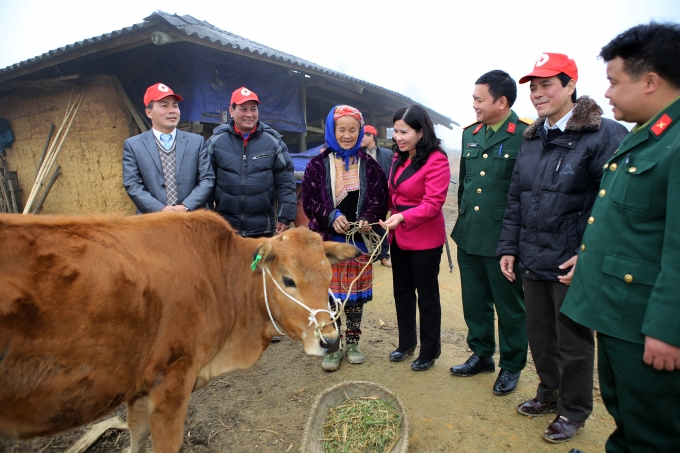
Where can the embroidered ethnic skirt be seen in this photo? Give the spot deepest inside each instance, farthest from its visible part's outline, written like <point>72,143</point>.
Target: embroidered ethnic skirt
<point>343,275</point>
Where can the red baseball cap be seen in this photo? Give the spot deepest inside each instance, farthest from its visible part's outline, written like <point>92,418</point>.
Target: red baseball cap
<point>243,94</point>
<point>157,92</point>
<point>370,129</point>
<point>551,64</point>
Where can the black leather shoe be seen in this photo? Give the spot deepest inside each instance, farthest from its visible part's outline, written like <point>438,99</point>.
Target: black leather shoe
<point>534,408</point>
<point>422,365</point>
<point>474,365</point>
<point>399,355</point>
<point>506,382</point>
<point>562,429</point>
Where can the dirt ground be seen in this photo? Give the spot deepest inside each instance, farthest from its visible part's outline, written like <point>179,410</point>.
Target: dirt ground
<point>265,408</point>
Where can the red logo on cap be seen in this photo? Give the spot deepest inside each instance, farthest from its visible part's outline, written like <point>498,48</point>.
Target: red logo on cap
<point>159,91</point>
<point>512,127</point>
<point>479,126</point>
<point>243,94</point>
<point>661,125</point>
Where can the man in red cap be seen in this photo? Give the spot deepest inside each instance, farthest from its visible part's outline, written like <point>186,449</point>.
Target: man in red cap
<point>253,170</point>
<point>166,169</point>
<point>553,187</point>
<point>384,157</point>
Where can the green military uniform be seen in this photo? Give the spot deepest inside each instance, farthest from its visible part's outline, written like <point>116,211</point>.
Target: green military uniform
<point>486,166</point>
<point>627,283</point>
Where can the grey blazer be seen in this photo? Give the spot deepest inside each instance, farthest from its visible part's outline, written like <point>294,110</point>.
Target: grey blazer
<point>143,173</point>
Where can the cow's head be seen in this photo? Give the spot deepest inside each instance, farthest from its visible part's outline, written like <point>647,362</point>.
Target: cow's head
<point>299,263</point>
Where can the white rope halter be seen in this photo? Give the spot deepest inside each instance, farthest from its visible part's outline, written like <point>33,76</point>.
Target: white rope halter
<point>333,312</point>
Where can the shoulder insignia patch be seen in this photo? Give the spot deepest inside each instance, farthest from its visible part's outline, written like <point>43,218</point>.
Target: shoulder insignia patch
<point>471,124</point>
<point>661,125</point>
<point>526,120</point>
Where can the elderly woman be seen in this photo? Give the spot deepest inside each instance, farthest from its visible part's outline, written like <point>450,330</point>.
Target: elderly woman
<point>343,185</point>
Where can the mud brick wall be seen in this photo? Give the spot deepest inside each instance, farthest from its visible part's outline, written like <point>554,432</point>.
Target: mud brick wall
<point>90,158</point>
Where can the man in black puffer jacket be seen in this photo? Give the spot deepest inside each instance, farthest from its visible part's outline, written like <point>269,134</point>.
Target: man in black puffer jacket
<point>252,170</point>
<point>554,184</point>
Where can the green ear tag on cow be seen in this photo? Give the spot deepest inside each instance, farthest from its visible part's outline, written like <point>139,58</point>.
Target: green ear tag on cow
<point>257,259</point>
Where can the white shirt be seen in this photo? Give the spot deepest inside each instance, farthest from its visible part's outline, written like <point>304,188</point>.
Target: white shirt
<point>157,134</point>
<point>561,124</point>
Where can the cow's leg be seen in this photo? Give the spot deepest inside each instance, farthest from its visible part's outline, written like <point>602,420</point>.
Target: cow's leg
<point>138,421</point>
<point>170,402</point>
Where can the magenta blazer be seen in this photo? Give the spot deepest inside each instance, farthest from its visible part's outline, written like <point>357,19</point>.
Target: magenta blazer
<point>419,197</point>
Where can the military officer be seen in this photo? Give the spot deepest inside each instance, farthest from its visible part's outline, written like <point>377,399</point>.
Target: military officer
<point>488,156</point>
<point>627,282</point>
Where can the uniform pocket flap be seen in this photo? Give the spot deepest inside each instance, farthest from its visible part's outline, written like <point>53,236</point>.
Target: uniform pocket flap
<point>505,153</point>
<point>630,270</point>
<point>462,207</point>
<point>470,152</point>
<point>640,166</point>
<point>498,213</point>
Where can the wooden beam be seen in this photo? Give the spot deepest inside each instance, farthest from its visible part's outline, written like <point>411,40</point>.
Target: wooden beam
<point>141,124</point>
<point>303,100</point>
<point>113,45</point>
<point>313,81</point>
<point>344,93</point>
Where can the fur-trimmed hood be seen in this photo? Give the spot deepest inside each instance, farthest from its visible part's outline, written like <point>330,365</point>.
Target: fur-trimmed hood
<point>587,117</point>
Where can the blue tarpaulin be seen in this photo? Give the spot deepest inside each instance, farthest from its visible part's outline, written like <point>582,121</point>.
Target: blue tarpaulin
<point>6,135</point>
<point>300,160</point>
<point>206,79</point>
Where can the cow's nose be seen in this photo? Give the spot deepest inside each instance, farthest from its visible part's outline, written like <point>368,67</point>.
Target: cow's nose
<point>330,344</point>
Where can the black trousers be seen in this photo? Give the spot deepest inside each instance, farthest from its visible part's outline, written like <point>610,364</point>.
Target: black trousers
<point>417,271</point>
<point>563,351</point>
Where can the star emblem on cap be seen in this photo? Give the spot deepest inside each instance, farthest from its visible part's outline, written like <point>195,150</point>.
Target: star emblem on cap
<point>163,88</point>
<point>245,92</point>
<point>543,60</point>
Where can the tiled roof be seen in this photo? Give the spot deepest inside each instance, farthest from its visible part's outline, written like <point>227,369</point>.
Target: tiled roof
<point>208,32</point>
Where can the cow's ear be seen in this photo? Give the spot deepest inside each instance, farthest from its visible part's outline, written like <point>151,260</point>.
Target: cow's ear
<point>337,251</point>
<point>262,254</point>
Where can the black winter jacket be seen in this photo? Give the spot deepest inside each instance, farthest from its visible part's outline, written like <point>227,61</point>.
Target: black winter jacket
<point>249,179</point>
<point>553,189</point>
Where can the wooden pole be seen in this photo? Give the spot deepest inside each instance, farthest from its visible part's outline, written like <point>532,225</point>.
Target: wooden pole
<point>5,198</point>
<point>303,135</point>
<point>54,150</point>
<point>44,151</point>
<point>141,123</point>
<point>48,187</point>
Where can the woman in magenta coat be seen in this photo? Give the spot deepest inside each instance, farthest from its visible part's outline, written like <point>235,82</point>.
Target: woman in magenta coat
<point>418,183</point>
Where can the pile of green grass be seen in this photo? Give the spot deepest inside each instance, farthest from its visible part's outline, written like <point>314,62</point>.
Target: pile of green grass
<point>361,425</point>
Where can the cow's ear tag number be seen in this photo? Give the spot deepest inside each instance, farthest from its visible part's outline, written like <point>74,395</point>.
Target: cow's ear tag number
<point>256,260</point>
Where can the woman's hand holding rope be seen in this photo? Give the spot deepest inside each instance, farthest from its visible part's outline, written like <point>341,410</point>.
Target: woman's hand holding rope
<point>392,222</point>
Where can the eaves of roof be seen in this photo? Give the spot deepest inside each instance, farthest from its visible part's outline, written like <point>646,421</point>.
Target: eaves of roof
<point>205,31</point>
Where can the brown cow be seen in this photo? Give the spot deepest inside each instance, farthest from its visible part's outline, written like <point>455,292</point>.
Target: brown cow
<point>95,312</point>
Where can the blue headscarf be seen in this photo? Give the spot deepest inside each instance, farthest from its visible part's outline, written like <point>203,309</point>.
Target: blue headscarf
<point>336,112</point>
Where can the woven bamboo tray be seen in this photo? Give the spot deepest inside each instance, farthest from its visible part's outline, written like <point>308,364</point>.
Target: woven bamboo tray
<point>338,394</point>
